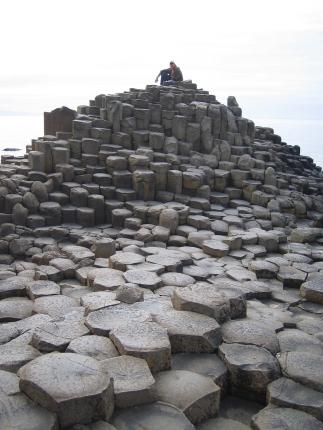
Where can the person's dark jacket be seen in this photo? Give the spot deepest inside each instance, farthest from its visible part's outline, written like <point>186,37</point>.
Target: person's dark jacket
<point>175,75</point>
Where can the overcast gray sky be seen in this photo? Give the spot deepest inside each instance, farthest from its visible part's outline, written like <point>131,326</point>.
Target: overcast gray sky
<point>64,52</point>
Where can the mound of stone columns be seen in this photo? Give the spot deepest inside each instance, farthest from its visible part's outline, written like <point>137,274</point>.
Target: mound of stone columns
<point>160,268</point>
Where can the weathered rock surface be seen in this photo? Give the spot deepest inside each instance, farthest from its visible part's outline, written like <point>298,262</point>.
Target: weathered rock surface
<point>12,357</point>
<point>56,336</point>
<point>101,322</point>
<point>205,364</point>
<point>146,340</point>
<point>161,223</point>
<point>250,332</point>
<point>151,417</point>
<point>55,306</point>
<point>71,385</point>
<point>202,299</point>
<point>312,290</point>
<point>132,380</point>
<point>189,331</point>
<point>98,347</point>
<point>251,369</point>
<point>285,418</point>
<point>18,412</point>
<point>286,393</point>
<point>196,395</point>
<point>304,367</point>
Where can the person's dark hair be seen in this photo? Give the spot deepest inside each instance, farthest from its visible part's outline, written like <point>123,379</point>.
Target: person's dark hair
<point>171,62</point>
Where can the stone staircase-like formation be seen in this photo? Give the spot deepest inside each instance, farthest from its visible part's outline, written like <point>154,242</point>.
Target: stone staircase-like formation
<point>177,146</point>
<point>161,267</point>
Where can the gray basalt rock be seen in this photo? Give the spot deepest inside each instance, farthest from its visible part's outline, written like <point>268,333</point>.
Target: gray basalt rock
<point>189,331</point>
<point>204,300</point>
<point>196,395</point>
<point>55,306</point>
<point>14,309</point>
<point>98,347</point>
<point>222,423</point>
<point>286,393</point>
<point>40,191</point>
<point>250,332</point>
<point>19,214</point>
<point>146,340</point>
<point>97,425</point>
<point>284,418</point>
<point>9,383</point>
<point>143,278</point>
<point>132,380</point>
<point>251,369</point>
<point>206,364</point>
<point>18,247</point>
<point>14,357</point>
<point>150,417</point>
<point>72,385</point>
<point>37,289</point>
<point>291,277</point>
<point>297,340</point>
<point>120,260</point>
<point>18,412</point>
<point>98,300</point>
<point>263,269</point>
<point>312,290</point>
<point>177,279</point>
<point>215,248</point>
<point>310,325</point>
<point>78,253</point>
<point>169,218</point>
<point>66,266</point>
<point>104,248</point>
<point>130,293</point>
<point>55,336</point>
<point>102,279</point>
<point>304,235</point>
<point>31,202</point>
<point>303,367</point>
<point>12,330</point>
<point>158,216</point>
<point>102,321</point>
<point>169,262</point>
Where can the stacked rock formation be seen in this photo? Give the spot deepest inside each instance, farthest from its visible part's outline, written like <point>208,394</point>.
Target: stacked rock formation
<point>160,268</point>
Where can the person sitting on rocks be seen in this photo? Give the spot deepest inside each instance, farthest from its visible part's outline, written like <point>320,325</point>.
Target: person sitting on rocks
<point>170,76</point>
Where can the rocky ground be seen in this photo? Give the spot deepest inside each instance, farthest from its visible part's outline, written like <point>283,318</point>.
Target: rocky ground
<point>161,272</point>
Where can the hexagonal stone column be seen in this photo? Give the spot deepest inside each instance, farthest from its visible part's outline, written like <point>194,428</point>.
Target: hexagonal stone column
<point>286,393</point>
<point>205,364</point>
<point>143,182</point>
<point>102,321</point>
<point>72,385</point>
<point>55,336</point>
<point>202,299</point>
<point>190,331</point>
<point>250,332</point>
<point>12,357</point>
<point>303,367</point>
<point>251,369</point>
<point>133,382</point>
<point>144,340</point>
<point>312,290</point>
<point>197,396</point>
<point>284,418</point>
